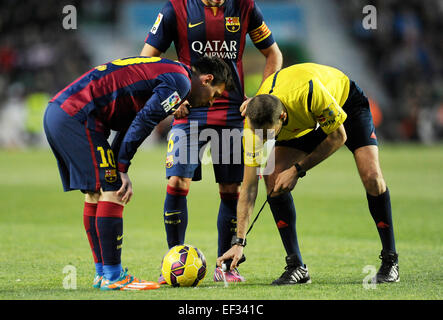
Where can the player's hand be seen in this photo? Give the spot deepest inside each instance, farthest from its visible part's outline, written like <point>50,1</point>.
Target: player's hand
<point>125,192</point>
<point>244,106</point>
<point>182,111</point>
<point>286,181</point>
<point>235,253</point>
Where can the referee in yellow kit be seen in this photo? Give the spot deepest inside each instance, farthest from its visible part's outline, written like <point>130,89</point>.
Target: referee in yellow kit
<point>312,110</point>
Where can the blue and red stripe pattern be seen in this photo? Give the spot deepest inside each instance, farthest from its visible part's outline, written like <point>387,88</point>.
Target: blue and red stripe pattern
<point>118,90</point>
<point>198,30</point>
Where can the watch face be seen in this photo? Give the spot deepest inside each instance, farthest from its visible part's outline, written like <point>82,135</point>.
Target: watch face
<point>240,241</point>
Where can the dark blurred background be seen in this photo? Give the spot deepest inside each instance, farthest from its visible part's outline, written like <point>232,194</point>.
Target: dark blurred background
<point>398,64</point>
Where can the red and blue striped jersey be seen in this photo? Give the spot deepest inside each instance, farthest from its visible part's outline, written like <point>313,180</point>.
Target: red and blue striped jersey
<point>129,95</point>
<point>198,30</point>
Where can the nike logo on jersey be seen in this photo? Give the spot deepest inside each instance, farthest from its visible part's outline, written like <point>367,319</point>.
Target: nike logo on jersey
<point>119,237</point>
<point>190,25</point>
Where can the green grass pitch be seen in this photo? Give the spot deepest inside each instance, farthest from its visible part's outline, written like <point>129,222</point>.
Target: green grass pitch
<point>42,231</point>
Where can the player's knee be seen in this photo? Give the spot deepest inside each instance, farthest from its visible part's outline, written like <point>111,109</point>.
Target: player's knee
<point>374,183</point>
<point>179,182</point>
<point>231,188</point>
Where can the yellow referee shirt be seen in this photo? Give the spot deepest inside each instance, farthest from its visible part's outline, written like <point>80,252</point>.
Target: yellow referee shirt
<point>312,94</point>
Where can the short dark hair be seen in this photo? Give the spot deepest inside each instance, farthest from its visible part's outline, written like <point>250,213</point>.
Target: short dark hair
<point>264,111</point>
<point>217,67</point>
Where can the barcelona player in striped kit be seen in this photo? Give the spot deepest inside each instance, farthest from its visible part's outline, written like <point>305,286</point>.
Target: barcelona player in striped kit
<point>131,96</point>
<point>212,28</point>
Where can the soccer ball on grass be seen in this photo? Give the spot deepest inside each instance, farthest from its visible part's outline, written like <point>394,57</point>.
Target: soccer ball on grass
<point>184,266</point>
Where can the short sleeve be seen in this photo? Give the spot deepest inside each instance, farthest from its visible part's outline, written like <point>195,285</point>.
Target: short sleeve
<point>258,31</point>
<point>173,90</point>
<point>253,146</point>
<point>326,110</point>
<point>163,31</point>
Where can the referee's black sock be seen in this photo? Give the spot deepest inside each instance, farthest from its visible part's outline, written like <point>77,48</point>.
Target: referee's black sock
<point>380,208</point>
<point>284,213</point>
<point>226,221</point>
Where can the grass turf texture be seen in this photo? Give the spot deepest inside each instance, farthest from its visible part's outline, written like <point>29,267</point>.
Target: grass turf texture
<point>42,231</point>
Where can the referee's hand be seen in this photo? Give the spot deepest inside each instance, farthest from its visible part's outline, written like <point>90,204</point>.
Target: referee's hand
<point>235,253</point>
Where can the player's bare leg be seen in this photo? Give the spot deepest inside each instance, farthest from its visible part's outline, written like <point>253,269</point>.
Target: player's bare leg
<point>379,202</point>
<point>285,157</point>
<point>179,182</point>
<point>368,166</point>
<point>283,210</point>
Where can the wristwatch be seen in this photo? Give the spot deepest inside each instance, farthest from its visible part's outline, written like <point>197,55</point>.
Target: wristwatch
<point>300,172</point>
<point>238,241</point>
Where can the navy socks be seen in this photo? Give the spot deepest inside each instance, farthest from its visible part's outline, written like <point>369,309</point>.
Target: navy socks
<point>380,208</point>
<point>175,215</point>
<point>226,221</point>
<point>284,213</point>
<point>109,226</point>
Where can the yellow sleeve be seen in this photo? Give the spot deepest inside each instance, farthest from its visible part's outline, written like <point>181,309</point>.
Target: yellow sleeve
<point>325,108</point>
<point>253,147</point>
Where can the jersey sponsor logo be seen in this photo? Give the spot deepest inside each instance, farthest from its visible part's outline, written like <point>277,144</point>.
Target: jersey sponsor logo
<point>216,48</point>
<point>190,25</point>
<point>157,23</point>
<point>171,101</point>
<point>232,24</point>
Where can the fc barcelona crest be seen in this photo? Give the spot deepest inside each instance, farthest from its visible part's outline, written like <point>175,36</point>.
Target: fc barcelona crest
<point>232,24</point>
<point>110,175</point>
